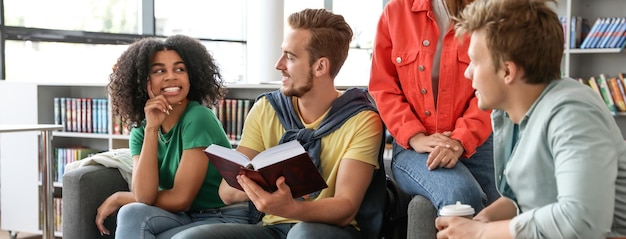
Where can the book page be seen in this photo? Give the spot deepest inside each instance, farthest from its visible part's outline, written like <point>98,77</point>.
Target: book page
<point>277,153</point>
<point>228,154</point>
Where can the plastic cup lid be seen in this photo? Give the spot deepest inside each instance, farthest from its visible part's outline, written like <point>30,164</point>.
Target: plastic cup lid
<point>457,209</point>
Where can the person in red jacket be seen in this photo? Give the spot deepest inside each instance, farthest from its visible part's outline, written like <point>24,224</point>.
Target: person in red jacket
<point>442,145</point>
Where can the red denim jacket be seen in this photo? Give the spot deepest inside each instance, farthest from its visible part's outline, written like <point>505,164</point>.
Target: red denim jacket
<point>401,85</point>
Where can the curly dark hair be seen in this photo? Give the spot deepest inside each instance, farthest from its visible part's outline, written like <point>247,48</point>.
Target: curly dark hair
<point>128,81</point>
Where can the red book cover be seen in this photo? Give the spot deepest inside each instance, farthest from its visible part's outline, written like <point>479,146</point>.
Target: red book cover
<point>287,159</point>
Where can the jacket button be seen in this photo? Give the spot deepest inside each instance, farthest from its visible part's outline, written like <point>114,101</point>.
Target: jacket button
<point>421,68</point>
<point>427,113</point>
<point>426,43</point>
<point>424,91</point>
<point>398,59</point>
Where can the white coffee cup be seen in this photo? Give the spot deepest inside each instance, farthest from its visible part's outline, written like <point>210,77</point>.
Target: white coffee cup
<point>457,210</point>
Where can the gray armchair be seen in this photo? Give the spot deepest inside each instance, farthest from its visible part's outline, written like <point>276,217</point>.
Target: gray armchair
<point>84,189</point>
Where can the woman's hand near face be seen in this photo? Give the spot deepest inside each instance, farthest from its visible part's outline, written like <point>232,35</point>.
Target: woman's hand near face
<point>156,109</point>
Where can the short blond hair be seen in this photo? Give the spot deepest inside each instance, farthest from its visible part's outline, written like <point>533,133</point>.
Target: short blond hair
<point>527,32</point>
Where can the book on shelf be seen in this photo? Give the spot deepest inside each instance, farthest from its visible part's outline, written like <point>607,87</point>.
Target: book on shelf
<point>606,35</point>
<point>57,110</point>
<point>622,90</point>
<point>616,93</point>
<point>592,33</point>
<point>579,29</point>
<point>232,112</point>
<point>288,159</point>
<point>613,38</point>
<point>604,25</point>
<point>621,40</point>
<point>608,32</point>
<point>622,80</point>
<point>66,155</point>
<point>81,115</point>
<point>574,38</point>
<point>594,86</point>
<point>606,93</point>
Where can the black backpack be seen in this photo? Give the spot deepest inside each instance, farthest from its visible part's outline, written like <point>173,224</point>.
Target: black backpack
<point>395,216</point>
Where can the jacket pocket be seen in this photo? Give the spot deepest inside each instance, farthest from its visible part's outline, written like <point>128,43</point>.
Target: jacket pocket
<point>406,67</point>
<point>403,58</point>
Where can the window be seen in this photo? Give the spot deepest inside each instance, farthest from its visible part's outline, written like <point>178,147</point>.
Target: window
<point>54,62</point>
<point>222,20</point>
<point>363,21</point>
<point>80,43</point>
<point>229,56</point>
<point>111,16</point>
<point>356,69</point>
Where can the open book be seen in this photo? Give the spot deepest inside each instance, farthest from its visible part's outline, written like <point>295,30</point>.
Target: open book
<point>288,159</point>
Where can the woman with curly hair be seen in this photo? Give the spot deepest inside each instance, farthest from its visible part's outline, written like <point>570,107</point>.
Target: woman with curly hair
<point>162,88</point>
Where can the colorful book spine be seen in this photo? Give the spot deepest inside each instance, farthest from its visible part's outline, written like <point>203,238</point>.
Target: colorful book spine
<point>69,115</point>
<point>104,122</point>
<point>600,33</point>
<point>575,32</point>
<point>63,113</point>
<point>611,29</point>
<point>592,32</point>
<point>584,30</point>
<point>616,93</point>
<point>88,117</point>
<point>594,86</point>
<point>617,33</point>
<point>620,87</point>
<point>621,39</point>
<point>57,110</point>
<point>606,93</point>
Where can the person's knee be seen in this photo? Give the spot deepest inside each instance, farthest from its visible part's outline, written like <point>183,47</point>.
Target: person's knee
<point>133,210</point>
<point>467,195</point>
<point>305,230</point>
<point>408,168</point>
<point>200,231</point>
<point>318,230</point>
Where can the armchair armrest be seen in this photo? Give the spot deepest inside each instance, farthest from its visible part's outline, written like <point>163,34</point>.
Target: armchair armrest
<point>422,214</point>
<point>84,189</point>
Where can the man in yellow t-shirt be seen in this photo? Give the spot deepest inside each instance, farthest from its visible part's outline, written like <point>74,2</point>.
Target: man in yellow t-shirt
<point>314,49</point>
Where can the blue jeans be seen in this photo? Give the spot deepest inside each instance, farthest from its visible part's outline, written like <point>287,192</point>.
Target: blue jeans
<point>307,230</point>
<point>471,181</point>
<point>138,220</point>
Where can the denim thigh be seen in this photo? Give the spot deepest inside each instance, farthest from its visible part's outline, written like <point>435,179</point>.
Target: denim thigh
<point>238,214</point>
<point>142,221</point>
<point>481,165</point>
<point>235,230</point>
<point>442,186</point>
<point>323,231</point>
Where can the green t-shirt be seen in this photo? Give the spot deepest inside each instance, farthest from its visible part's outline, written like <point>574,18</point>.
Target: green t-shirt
<point>197,127</point>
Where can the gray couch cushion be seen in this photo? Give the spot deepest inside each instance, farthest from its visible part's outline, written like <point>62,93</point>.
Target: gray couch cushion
<point>84,189</point>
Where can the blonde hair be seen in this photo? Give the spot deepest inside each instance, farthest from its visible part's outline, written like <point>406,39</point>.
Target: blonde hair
<point>526,32</point>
